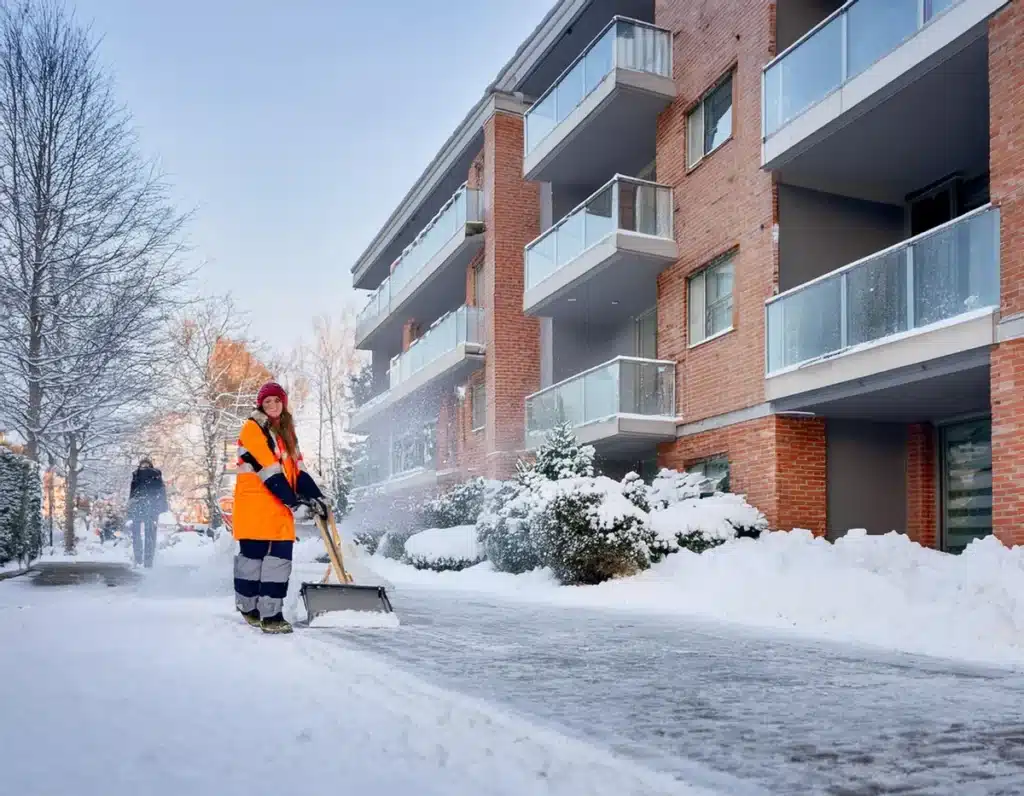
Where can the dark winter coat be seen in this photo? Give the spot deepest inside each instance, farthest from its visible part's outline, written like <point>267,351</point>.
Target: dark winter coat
<point>148,497</point>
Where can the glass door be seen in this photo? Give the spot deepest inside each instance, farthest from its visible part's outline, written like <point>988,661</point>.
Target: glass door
<point>966,483</point>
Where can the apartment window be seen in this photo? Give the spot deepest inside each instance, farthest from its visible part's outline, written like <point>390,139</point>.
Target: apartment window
<point>709,125</point>
<point>478,406</point>
<point>715,469</point>
<point>479,288</point>
<point>710,300</point>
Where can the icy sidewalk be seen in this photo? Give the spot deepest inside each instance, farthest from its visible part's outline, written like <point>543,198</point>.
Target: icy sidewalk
<point>111,691</point>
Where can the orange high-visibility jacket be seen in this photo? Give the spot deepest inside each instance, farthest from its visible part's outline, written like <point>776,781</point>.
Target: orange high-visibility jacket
<point>269,484</point>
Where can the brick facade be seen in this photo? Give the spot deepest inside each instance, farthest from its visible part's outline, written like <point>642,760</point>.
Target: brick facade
<point>922,522</point>
<point>1008,441</point>
<point>1006,120</point>
<point>777,462</point>
<point>724,203</point>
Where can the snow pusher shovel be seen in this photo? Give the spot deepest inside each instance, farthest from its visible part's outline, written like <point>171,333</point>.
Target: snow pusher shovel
<point>323,597</point>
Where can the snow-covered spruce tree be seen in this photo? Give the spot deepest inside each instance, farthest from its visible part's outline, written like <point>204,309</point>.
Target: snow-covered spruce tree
<point>636,491</point>
<point>562,456</point>
<point>589,532</point>
<point>21,532</point>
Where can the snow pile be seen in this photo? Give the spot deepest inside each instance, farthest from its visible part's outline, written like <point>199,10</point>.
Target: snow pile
<point>884,591</point>
<point>671,486</point>
<point>444,549</point>
<point>340,620</point>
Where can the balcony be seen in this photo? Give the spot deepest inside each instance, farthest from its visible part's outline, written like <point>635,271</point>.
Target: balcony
<point>430,274</point>
<point>854,60</point>
<point>604,256</point>
<point>599,116</point>
<point>929,297</point>
<point>444,356</point>
<point>620,407</point>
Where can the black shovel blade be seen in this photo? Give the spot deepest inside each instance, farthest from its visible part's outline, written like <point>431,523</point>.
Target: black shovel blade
<point>321,598</point>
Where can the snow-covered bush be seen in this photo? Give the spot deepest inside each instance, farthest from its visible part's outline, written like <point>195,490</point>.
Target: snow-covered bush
<point>636,491</point>
<point>21,516</point>
<point>392,543</point>
<point>368,540</point>
<point>589,532</point>
<point>460,505</point>
<point>698,524</point>
<point>671,486</point>
<point>444,549</point>
<point>503,527</point>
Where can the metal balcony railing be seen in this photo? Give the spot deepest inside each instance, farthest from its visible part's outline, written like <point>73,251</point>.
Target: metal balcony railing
<point>945,272</point>
<point>622,44</point>
<point>621,204</point>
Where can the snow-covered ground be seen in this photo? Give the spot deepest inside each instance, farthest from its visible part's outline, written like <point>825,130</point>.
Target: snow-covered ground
<point>884,591</point>
<point>158,688</point>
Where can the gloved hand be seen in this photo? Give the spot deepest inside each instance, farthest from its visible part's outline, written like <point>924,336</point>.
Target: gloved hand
<point>318,507</point>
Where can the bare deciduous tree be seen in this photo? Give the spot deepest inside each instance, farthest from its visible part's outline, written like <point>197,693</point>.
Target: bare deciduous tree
<point>89,242</point>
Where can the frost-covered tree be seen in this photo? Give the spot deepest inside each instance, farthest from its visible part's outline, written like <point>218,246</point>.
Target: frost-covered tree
<point>360,384</point>
<point>89,241</point>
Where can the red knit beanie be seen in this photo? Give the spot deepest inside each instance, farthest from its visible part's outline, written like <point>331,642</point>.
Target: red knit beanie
<point>269,389</point>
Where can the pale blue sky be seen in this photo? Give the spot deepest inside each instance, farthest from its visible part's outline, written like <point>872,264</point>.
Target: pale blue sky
<point>295,127</point>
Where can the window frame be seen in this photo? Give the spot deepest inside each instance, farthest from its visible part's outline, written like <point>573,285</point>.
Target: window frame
<point>478,392</point>
<point>728,258</point>
<point>700,107</point>
<point>700,467</point>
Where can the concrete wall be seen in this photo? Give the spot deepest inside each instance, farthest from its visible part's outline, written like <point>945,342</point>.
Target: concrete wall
<point>819,232</point>
<point>578,346</point>
<point>866,476</point>
<point>793,18</point>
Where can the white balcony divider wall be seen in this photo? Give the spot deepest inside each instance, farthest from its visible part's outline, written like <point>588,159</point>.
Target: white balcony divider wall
<point>464,325</point>
<point>622,44</point>
<point>621,204</point>
<point>835,51</point>
<point>623,386</point>
<point>945,272</point>
<point>464,206</point>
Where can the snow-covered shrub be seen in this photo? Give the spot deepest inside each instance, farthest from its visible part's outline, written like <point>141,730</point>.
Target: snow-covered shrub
<point>368,540</point>
<point>671,486</point>
<point>460,505</point>
<point>444,549</point>
<point>588,531</point>
<point>698,524</point>
<point>503,527</point>
<point>21,515</point>
<point>392,543</point>
<point>636,491</point>
<point>561,456</point>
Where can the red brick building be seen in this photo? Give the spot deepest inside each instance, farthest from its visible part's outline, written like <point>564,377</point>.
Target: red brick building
<point>781,241</point>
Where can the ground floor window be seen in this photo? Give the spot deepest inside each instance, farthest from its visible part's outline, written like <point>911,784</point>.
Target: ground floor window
<point>966,484</point>
<point>714,468</point>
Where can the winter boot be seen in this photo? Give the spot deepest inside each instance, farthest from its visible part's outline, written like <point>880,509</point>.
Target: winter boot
<point>252,617</point>
<point>276,624</point>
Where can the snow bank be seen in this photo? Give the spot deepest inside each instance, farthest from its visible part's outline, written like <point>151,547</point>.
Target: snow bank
<point>438,545</point>
<point>716,516</point>
<point>883,591</point>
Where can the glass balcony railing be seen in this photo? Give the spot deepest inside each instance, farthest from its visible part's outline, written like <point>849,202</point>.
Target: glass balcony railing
<point>624,386</point>
<point>842,46</point>
<point>462,208</point>
<point>464,325</point>
<point>623,44</point>
<point>948,271</point>
<point>623,204</point>
<point>376,308</point>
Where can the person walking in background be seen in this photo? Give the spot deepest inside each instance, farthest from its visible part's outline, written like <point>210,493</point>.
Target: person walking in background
<point>271,483</point>
<point>147,500</point>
